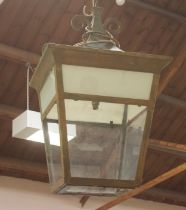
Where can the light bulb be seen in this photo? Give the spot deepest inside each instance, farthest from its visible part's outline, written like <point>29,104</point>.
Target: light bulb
<point>120,2</point>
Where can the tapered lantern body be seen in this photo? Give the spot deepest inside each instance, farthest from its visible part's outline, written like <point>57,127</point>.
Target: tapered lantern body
<point>96,107</point>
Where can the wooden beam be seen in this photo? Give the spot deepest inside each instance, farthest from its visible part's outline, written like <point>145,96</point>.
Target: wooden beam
<point>173,101</point>
<point>38,172</point>
<point>12,112</point>
<point>9,112</point>
<point>18,55</point>
<point>168,147</point>
<point>22,56</point>
<point>157,195</point>
<point>164,196</point>
<point>144,187</point>
<point>23,169</point>
<point>173,69</point>
<point>164,146</point>
<point>158,10</point>
<point>83,200</point>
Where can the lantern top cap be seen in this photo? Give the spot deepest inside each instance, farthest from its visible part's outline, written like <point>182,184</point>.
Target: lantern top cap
<point>57,54</point>
<point>95,30</point>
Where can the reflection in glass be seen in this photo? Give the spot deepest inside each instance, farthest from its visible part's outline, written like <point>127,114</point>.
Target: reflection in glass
<point>52,140</point>
<point>108,139</point>
<point>52,146</point>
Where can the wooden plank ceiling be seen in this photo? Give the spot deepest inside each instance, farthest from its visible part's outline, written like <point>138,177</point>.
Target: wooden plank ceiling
<point>150,26</point>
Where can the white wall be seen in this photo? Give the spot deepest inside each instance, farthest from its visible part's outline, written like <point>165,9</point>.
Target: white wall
<point>20,194</point>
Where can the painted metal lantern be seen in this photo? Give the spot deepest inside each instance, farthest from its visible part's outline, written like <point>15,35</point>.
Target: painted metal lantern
<point>96,108</point>
<point>96,104</point>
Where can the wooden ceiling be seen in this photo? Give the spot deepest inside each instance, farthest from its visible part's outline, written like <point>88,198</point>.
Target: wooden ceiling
<point>150,26</point>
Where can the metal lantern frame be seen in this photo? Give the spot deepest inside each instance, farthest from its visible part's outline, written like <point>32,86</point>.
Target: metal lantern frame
<point>54,56</point>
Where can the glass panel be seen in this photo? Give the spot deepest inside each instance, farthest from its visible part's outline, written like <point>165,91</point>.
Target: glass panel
<point>107,82</point>
<point>86,190</point>
<point>105,112</point>
<point>52,140</point>
<point>133,140</point>
<point>48,91</point>
<point>107,139</point>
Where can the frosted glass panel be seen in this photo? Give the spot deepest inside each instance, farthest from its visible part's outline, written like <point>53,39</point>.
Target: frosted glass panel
<point>48,91</point>
<point>106,82</point>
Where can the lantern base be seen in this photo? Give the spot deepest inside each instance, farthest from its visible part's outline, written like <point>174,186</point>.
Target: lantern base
<point>87,190</point>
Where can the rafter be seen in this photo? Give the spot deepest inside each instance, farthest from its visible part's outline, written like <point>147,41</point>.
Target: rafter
<point>144,187</point>
<point>38,171</point>
<point>22,56</point>
<point>83,200</point>
<point>156,194</point>
<point>9,112</point>
<point>18,55</point>
<point>168,147</point>
<point>173,69</point>
<point>173,101</point>
<point>164,146</point>
<point>158,10</point>
<point>23,169</point>
<point>164,196</point>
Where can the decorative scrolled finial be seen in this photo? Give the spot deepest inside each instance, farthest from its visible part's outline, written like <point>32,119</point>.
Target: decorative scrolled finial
<point>79,22</point>
<point>97,31</point>
<point>113,25</point>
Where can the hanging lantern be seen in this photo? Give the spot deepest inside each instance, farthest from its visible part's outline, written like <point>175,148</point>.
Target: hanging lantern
<point>96,106</point>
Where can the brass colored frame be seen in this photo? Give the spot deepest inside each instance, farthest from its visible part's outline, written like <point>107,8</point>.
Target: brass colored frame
<point>144,145</point>
<point>56,55</point>
<point>108,99</point>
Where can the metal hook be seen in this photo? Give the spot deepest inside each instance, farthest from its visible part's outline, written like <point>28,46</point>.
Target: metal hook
<point>29,66</point>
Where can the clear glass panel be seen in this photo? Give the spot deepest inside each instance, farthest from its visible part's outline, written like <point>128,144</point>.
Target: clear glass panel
<point>132,143</point>
<point>52,145</point>
<point>107,139</point>
<point>52,140</point>
<point>48,91</point>
<point>83,111</point>
<point>116,83</point>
